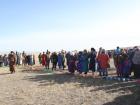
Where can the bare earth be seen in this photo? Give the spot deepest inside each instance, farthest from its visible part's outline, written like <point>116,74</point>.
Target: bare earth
<point>38,87</point>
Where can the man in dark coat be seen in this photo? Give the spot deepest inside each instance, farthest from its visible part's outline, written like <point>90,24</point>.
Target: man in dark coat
<point>54,60</point>
<point>12,62</point>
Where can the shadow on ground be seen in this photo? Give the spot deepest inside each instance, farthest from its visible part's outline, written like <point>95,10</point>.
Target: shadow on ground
<point>111,86</point>
<point>131,99</point>
<point>64,77</point>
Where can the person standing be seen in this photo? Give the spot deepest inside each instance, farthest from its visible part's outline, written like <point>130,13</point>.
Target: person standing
<point>131,53</point>
<point>126,66</point>
<point>20,58</point>
<point>98,62</point>
<point>30,60</point>
<point>17,58</point>
<point>79,62</point>
<point>24,59</point>
<point>103,58</point>
<point>72,66</point>
<point>60,60</point>
<point>63,60</point>
<point>136,62</point>
<point>85,63</point>
<point>54,60</point>
<point>92,63</point>
<point>43,59</point>
<point>68,58</point>
<point>48,60</point>
<point>12,62</point>
<point>118,61</point>
<point>5,59</point>
<point>1,61</point>
<point>34,60</point>
<point>39,58</point>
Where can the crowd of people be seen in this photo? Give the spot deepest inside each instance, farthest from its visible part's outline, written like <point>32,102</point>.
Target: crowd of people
<point>126,61</point>
<point>16,59</point>
<point>82,61</point>
<point>45,58</point>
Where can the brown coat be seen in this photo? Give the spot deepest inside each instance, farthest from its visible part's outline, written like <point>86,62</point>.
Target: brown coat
<point>12,59</point>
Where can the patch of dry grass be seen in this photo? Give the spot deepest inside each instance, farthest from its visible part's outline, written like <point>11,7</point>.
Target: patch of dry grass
<point>37,87</point>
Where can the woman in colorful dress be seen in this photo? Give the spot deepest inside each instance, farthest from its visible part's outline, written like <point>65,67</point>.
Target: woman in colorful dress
<point>85,62</point>
<point>43,59</point>
<point>103,58</point>
<point>79,62</point>
<point>72,66</point>
<point>126,66</point>
<point>98,63</point>
<point>118,61</point>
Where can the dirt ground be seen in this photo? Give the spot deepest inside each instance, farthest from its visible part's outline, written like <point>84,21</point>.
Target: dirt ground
<point>41,87</point>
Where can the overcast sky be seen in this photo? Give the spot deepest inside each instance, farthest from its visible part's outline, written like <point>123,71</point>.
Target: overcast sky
<point>38,25</point>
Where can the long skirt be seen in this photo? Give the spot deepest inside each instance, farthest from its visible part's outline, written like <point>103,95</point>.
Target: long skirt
<point>92,66</point>
<point>79,67</point>
<point>59,63</point>
<point>120,70</point>
<point>85,67</point>
<point>43,62</point>
<point>12,67</point>
<point>71,67</point>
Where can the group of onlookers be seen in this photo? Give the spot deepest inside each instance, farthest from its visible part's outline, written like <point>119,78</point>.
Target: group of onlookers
<point>45,58</point>
<point>27,59</point>
<point>4,60</point>
<point>82,61</point>
<point>85,61</point>
<point>13,59</point>
<point>21,59</point>
<point>126,61</point>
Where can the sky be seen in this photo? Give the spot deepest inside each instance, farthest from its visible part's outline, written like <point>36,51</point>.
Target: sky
<point>38,25</point>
